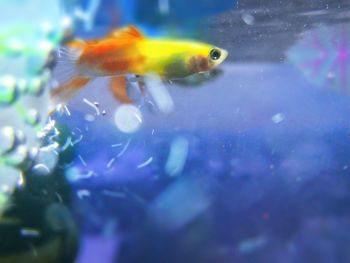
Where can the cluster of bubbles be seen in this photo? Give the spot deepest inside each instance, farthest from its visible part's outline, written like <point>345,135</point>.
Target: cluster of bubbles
<point>26,46</point>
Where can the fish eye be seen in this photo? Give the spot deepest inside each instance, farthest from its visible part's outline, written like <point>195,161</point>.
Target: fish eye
<point>215,54</point>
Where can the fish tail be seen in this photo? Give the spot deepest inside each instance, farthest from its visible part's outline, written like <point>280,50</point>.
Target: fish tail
<point>66,91</point>
<point>67,74</point>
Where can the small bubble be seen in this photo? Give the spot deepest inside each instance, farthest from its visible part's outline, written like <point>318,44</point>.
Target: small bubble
<point>20,137</point>
<point>248,19</point>
<point>35,86</point>
<point>7,139</point>
<point>17,156</point>
<point>30,232</point>
<point>128,118</point>
<point>32,117</point>
<point>8,179</point>
<point>278,118</point>
<point>89,117</point>
<point>22,85</point>
<point>46,159</point>
<point>104,113</point>
<point>7,90</point>
<point>83,193</point>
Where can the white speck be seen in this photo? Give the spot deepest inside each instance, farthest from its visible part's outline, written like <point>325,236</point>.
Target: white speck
<point>73,174</point>
<point>116,145</point>
<point>330,75</point>
<point>43,167</point>
<point>124,148</point>
<point>83,193</point>
<point>66,144</point>
<point>248,19</point>
<point>5,188</point>
<point>59,197</point>
<point>66,22</point>
<point>147,162</point>
<point>21,180</point>
<point>128,118</point>
<point>77,140</point>
<point>89,117</point>
<point>29,232</point>
<point>159,93</point>
<point>45,45</point>
<point>177,156</point>
<point>82,160</point>
<point>109,164</point>
<point>66,110</point>
<point>278,118</point>
<point>92,105</point>
<point>47,26</point>
<point>113,194</point>
<point>164,7</point>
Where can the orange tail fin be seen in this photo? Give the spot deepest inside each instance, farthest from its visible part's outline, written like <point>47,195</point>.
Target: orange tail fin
<point>63,93</point>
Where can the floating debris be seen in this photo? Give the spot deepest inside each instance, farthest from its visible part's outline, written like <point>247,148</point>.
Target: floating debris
<point>110,163</point>
<point>30,232</point>
<point>147,162</point>
<point>250,245</point>
<point>113,194</point>
<point>159,94</point>
<point>124,148</point>
<point>66,110</point>
<point>73,174</point>
<point>278,118</point>
<point>248,19</point>
<point>83,193</point>
<point>92,105</point>
<point>89,117</point>
<point>116,145</point>
<point>82,160</point>
<point>41,168</point>
<point>177,156</point>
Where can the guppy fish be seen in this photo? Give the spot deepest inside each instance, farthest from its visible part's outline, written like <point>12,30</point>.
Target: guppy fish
<point>127,51</point>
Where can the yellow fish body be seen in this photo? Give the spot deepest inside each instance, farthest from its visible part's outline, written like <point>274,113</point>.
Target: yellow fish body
<point>128,52</point>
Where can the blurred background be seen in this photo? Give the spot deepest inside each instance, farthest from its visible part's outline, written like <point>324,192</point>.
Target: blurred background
<point>251,165</point>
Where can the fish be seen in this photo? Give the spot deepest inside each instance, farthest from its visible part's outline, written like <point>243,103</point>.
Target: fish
<point>128,52</point>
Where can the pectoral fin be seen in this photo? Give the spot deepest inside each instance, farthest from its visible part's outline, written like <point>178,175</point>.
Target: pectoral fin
<point>118,89</point>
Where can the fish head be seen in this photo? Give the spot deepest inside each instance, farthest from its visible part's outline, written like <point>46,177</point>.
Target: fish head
<point>206,58</point>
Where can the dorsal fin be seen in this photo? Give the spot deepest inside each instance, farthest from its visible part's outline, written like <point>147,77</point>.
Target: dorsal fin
<point>126,32</point>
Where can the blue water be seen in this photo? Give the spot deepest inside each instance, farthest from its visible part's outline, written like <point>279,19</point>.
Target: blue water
<point>251,165</point>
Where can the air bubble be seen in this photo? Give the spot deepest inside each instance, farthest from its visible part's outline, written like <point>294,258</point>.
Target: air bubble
<point>128,118</point>
<point>46,159</point>
<point>32,117</point>
<point>22,85</point>
<point>7,90</point>
<point>278,118</point>
<point>7,139</point>
<point>17,156</point>
<point>248,19</point>
<point>35,86</point>
<point>20,137</point>
<point>8,179</point>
